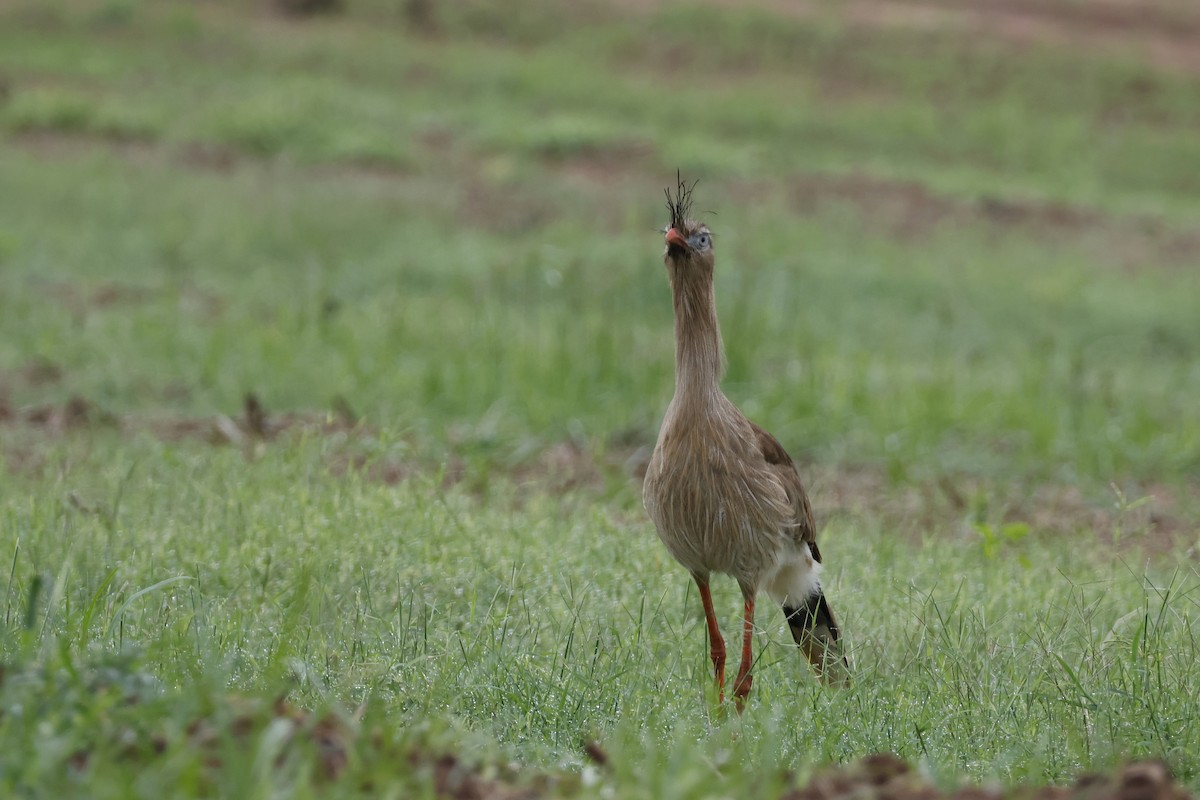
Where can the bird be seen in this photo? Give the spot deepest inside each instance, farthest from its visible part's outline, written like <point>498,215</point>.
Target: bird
<point>723,493</point>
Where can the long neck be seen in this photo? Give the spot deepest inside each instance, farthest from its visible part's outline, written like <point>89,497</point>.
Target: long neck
<point>699,356</point>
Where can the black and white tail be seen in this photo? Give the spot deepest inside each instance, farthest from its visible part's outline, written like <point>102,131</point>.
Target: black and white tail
<point>816,632</point>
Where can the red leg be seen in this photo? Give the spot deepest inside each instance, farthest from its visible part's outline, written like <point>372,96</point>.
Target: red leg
<point>715,641</point>
<point>741,686</point>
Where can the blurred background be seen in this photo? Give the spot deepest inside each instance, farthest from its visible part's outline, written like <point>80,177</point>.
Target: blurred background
<point>958,241</point>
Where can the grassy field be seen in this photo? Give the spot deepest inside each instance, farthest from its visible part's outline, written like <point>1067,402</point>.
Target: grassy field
<point>331,350</point>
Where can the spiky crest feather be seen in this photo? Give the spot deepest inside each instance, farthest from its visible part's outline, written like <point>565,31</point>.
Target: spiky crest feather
<point>680,205</point>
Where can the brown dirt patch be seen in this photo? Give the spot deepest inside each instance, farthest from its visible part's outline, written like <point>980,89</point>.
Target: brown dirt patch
<point>1152,518</point>
<point>1162,33</point>
<point>504,209</point>
<point>909,210</point>
<point>598,165</point>
<point>252,426</point>
<point>885,777</point>
<point>38,372</point>
<point>49,144</point>
<point>559,468</point>
<point>82,298</point>
<point>1155,518</point>
<point>209,157</point>
<point>338,744</point>
<point>904,209</point>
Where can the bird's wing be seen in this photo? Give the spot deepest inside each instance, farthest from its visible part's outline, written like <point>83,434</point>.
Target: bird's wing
<point>781,464</point>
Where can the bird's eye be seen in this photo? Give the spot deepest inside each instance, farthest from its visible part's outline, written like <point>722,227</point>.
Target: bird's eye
<point>703,241</point>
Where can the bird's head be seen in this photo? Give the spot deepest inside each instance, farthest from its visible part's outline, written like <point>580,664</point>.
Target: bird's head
<point>689,244</point>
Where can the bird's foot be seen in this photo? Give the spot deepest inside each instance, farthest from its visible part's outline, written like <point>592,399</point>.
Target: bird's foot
<point>741,691</point>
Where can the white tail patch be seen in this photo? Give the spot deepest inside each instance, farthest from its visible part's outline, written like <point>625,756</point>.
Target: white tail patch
<point>795,577</point>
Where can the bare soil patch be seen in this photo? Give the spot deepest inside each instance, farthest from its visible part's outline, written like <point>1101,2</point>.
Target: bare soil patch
<point>886,777</point>
<point>336,743</point>
<point>604,164</point>
<point>50,144</point>
<point>79,298</point>
<point>253,424</point>
<point>1152,518</point>
<point>1162,33</point>
<point>1166,35</point>
<point>504,209</point>
<point>909,210</point>
<point>904,209</point>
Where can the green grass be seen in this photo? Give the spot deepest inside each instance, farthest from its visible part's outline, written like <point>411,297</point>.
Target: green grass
<point>548,622</point>
<point>963,270</point>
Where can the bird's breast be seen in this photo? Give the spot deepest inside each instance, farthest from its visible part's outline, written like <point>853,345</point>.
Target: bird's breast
<point>712,510</point>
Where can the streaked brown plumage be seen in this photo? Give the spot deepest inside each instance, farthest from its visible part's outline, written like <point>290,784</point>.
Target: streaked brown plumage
<point>723,493</point>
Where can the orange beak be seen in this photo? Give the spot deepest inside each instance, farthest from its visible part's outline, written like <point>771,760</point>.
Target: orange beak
<point>675,238</point>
